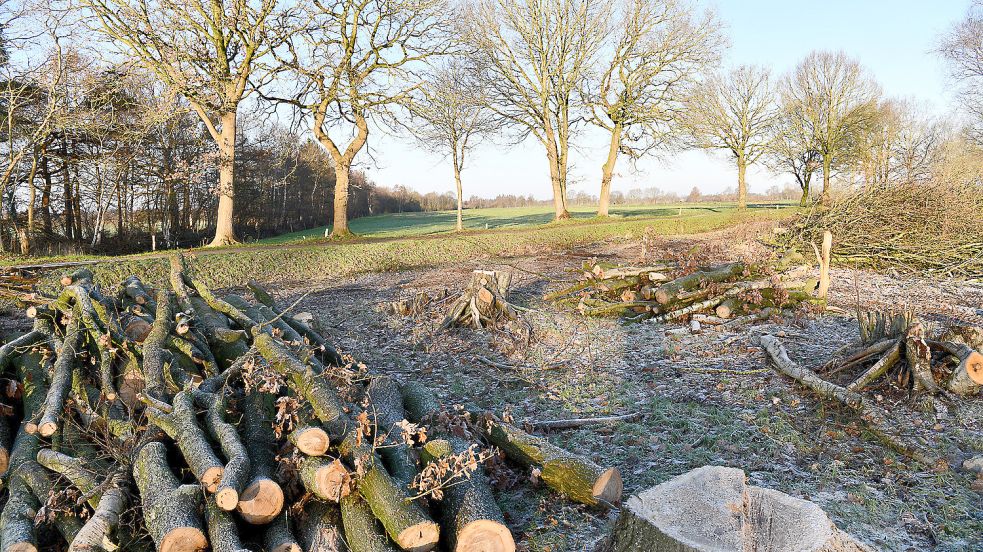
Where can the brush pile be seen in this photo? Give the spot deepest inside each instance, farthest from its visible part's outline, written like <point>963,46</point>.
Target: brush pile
<point>930,229</point>
<point>899,355</point>
<point>676,291</point>
<point>180,420</point>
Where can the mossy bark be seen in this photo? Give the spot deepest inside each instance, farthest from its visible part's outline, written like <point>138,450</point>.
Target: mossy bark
<point>362,532</point>
<point>171,511</point>
<point>470,517</point>
<point>321,527</point>
<point>387,405</point>
<point>237,470</point>
<point>181,424</point>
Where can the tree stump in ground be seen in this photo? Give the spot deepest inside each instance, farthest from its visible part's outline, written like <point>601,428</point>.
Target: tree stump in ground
<point>483,303</point>
<point>712,509</point>
<point>878,325</point>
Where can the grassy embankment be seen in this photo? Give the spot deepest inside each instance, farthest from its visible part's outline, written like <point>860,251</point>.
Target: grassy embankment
<point>396,242</point>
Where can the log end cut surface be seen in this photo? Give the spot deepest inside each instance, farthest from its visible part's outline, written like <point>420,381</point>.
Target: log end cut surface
<point>212,478</point>
<point>313,442</point>
<point>609,486</point>
<point>484,535</point>
<point>227,499</point>
<point>261,501</point>
<point>184,539</point>
<point>287,547</point>
<point>420,537</point>
<point>22,547</point>
<point>974,367</point>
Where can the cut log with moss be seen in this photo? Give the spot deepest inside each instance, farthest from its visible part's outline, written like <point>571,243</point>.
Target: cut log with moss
<point>223,535</point>
<point>262,499</point>
<point>320,528</point>
<point>404,519</point>
<point>236,472</point>
<point>61,379</point>
<point>668,292</point>
<point>387,405</point>
<point>171,511</point>
<point>181,424</point>
<point>572,475</point>
<point>362,532</point>
<point>470,517</point>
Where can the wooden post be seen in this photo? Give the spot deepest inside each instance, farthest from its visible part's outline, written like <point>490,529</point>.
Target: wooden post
<point>824,261</point>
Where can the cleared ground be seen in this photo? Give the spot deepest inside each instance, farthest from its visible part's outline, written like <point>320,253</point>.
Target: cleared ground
<point>705,399</point>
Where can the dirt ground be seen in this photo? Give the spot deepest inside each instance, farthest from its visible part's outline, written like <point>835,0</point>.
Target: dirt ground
<point>705,399</point>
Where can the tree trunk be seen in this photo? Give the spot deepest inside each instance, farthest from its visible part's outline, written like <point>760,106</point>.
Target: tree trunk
<point>741,183</point>
<point>339,227</point>
<point>224,232</point>
<point>805,185</point>
<point>558,179</point>
<point>460,193</point>
<point>827,166</point>
<point>607,171</point>
<point>170,510</point>
<point>46,196</point>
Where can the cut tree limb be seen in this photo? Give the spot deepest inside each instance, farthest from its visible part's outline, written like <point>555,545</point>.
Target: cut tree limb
<point>170,510</point>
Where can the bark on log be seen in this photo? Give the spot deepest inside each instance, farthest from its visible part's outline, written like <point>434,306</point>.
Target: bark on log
<point>387,405</point>
<point>61,380</point>
<point>320,530</point>
<point>470,517</point>
<point>878,369</point>
<point>919,358</point>
<point>328,354</point>
<point>362,532</point>
<point>277,536</point>
<point>96,534</point>
<point>405,521</point>
<point>262,499</point>
<point>170,510</point>
<point>222,532</point>
<point>236,474</point>
<point>667,293</point>
<point>570,474</point>
<point>181,424</point>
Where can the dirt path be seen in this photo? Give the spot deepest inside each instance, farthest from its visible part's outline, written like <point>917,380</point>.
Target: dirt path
<point>706,399</point>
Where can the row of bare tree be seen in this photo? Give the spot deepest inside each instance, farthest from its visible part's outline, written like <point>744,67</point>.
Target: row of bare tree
<point>144,107</point>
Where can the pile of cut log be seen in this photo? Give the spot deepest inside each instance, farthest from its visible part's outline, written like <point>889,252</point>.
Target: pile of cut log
<point>704,295</point>
<point>179,420</point>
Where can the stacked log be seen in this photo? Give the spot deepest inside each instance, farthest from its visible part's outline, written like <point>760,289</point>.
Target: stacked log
<point>231,425</point>
<point>669,292</point>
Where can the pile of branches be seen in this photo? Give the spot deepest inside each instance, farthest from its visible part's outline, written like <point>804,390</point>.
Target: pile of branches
<point>716,295</point>
<point>898,353</point>
<point>180,420</point>
<point>930,229</point>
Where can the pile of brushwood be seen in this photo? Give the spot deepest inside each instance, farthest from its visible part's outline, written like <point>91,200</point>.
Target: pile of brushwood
<point>714,295</point>
<point>933,229</point>
<point>899,355</point>
<point>179,420</point>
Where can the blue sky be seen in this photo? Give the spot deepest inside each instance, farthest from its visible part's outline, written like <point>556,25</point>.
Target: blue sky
<point>893,39</point>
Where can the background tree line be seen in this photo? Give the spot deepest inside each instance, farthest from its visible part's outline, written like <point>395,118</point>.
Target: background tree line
<point>132,120</point>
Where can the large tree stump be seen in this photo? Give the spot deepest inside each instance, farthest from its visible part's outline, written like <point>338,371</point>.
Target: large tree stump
<point>711,509</point>
<point>483,303</point>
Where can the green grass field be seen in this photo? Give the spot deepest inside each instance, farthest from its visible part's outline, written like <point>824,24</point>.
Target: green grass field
<point>419,224</point>
<point>399,242</point>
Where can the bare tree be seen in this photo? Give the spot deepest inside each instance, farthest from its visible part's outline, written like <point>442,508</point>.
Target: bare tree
<point>204,50</point>
<point>793,148</point>
<point>734,112</point>
<point>962,47</point>
<point>454,118</point>
<point>351,61</point>
<point>532,56</point>
<point>836,99</point>
<point>659,49</point>
<point>899,144</point>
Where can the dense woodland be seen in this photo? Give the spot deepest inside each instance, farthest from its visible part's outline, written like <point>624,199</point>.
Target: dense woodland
<point>129,125</point>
